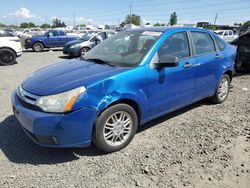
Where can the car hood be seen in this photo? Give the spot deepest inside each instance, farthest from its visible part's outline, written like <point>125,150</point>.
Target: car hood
<point>67,75</point>
<point>78,41</point>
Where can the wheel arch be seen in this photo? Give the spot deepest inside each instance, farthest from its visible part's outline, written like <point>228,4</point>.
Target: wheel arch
<point>127,101</point>
<point>229,73</point>
<point>6,47</point>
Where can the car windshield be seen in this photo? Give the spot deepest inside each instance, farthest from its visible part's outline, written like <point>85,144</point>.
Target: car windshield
<point>87,36</point>
<point>124,49</point>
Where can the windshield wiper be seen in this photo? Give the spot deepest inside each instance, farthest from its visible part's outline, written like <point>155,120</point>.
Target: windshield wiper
<point>99,61</point>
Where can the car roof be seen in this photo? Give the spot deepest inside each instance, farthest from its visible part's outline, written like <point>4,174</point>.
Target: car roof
<point>166,29</point>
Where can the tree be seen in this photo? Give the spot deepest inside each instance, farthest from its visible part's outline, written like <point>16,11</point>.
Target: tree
<point>157,24</point>
<point>27,25</point>
<point>173,19</point>
<point>58,23</point>
<point>31,24</point>
<point>247,24</point>
<point>45,26</point>
<point>24,25</point>
<point>135,19</point>
<point>2,25</point>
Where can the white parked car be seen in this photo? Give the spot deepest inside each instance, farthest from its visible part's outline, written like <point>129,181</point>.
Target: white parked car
<point>10,48</point>
<point>227,35</point>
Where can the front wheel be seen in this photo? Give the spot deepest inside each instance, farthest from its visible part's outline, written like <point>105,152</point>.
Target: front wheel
<point>115,128</point>
<point>222,90</point>
<point>7,57</point>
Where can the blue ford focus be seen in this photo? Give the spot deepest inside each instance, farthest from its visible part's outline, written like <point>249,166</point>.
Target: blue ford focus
<point>126,81</point>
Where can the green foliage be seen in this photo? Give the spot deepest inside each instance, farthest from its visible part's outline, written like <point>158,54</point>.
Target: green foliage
<point>27,25</point>
<point>2,25</point>
<point>45,26</point>
<point>173,19</point>
<point>210,27</point>
<point>247,24</point>
<point>157,24</point>
<point>135,19</point>
<point>58,23</point>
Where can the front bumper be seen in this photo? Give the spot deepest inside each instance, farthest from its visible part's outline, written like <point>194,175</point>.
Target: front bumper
<point>56,130</point>
<point>72,51</point>
<point>27,45</point>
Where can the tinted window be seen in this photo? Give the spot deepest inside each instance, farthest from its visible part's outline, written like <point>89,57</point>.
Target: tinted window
<point>175,45</point>
<point>220,43</point>
<point>62,33</point>
<point>5,34</point>
<point>203,43</point>
<point>55,33</point>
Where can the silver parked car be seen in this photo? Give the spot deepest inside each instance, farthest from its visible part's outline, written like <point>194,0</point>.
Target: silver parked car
<point>89,40</point>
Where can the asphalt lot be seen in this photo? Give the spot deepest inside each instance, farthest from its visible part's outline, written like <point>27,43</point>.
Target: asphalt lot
<point>202,145</point>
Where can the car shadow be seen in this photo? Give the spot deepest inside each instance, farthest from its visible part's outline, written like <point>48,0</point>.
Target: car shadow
<point>66,57</point>
<point>18,148</point>
<point>44,50</point>
<point>241,73</point>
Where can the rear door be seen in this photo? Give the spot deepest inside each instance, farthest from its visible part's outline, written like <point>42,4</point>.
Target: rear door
<point>207,59</point>
<point>62,38</point>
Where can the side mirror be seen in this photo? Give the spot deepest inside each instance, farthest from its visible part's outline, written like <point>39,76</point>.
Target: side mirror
<point>167,61</point>
<point>48,36</point>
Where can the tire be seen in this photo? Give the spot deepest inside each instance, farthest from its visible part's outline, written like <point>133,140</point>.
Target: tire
<point>7,56</point>
<point>222,90</point>
<point>37,47</point>
<point>115,128</point>
<point>84,50</point>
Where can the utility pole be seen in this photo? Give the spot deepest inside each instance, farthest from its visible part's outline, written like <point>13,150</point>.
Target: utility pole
<point>74,18</point>
<point>130,11</point>
<point>215,19</point>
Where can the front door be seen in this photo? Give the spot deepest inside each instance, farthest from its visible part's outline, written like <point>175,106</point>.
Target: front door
<point>170,88</point>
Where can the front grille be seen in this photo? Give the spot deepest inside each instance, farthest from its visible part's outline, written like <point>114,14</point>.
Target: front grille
<point>27,99</point>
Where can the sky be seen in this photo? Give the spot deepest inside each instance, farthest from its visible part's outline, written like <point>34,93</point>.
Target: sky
<point>99,12</point>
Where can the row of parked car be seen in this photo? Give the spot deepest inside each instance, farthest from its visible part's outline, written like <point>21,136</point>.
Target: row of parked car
<point>75,46</point>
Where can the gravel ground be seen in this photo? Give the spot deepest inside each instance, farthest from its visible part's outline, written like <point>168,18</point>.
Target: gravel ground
<point>202,145</point>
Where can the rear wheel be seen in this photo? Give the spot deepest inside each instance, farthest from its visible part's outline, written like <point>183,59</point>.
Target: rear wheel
<point>222,90</point>
<point>7,57</point>
<point>38,47</point>
<point>115,128</point>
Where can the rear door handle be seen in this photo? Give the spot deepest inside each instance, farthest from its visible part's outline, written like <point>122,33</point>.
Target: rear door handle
<point>187,65</point>
<point>217,56</point>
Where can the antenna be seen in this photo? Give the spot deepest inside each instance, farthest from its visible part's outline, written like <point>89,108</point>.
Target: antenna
<point>215,19</point>
<point>130,10</point>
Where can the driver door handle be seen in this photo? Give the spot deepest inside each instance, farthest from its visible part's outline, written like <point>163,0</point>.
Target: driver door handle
<point>187,65</point>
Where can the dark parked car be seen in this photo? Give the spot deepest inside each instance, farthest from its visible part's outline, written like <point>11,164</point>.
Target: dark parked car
<point>52,38</point>
<point>242,61</point>
<point>85,43</point>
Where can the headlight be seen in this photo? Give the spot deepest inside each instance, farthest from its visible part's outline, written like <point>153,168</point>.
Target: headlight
<point>27,40</point>
<point>74,46</point>
<point>62,102</point>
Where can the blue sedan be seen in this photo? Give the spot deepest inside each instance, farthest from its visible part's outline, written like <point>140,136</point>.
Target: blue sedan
<point>103,97</point>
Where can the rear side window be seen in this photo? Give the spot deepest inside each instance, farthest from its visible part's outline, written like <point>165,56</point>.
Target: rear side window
<point>220,43</point>
<point>5,34</point>
<point>176,45</point>
<point>203,43</point>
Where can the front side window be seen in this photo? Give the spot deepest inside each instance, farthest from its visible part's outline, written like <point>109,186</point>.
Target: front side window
<point>176,45</point>
<point>203,43</point>
<point>124,49</point>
